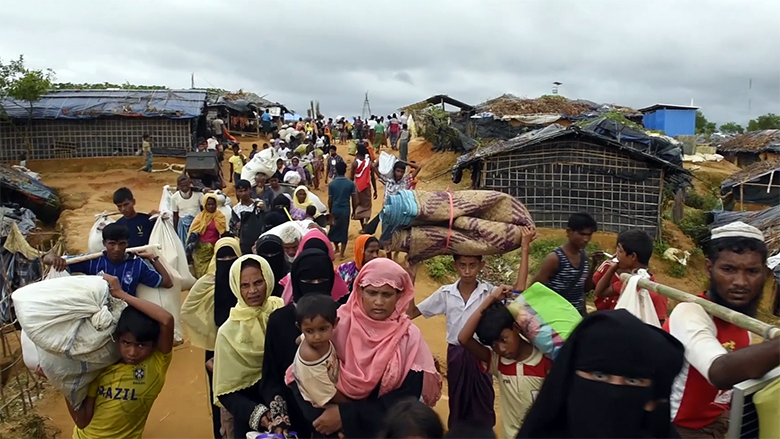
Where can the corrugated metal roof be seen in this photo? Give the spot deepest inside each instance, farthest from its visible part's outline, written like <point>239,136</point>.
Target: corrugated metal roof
<point>91,104</point>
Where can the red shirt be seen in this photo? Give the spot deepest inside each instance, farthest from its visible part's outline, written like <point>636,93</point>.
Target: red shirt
<point>660,302</point>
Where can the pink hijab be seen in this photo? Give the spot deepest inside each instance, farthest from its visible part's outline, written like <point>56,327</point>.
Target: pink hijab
<point>383,352</point>
<point>339,287</point>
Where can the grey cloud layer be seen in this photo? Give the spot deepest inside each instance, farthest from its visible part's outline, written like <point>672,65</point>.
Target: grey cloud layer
<point>630,53</point>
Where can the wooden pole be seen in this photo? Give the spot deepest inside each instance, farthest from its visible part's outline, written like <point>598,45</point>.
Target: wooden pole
<point>746,322</point>
<point>90,256</point>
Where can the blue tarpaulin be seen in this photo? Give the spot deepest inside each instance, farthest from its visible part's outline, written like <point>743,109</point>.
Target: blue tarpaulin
<point>91,104</point>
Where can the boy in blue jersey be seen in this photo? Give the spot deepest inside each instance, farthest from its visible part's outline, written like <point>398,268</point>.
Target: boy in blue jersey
<point>131,269</point>
<point>139,225</point>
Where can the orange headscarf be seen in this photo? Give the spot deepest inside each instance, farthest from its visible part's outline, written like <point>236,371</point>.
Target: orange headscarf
<point>360,247</point>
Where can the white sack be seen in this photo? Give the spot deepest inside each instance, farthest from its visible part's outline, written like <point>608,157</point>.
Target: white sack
<point>264,161</point>
<point>386,163</point>
<point>29,353</point>
<point>171,250</point>
<point>637,301</point>
<point>167,298</point>
<point>166,205</point>
<point>223,205</point>
<point>95,242</point>
<point>71,320</point>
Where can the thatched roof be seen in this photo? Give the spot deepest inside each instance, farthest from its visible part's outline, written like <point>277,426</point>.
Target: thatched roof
<point>510,105</point>
<point>436,100</point>
<point>243,101</point>
<point>752,172</point>
<point>753,141</point>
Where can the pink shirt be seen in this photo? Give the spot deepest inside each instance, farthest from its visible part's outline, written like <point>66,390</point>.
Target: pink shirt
<point>211,235</point>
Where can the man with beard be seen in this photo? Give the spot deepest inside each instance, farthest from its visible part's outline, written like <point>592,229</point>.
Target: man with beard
<point>718,354</point>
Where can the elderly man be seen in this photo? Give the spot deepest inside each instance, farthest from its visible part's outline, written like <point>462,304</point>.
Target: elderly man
<point>718,354</point>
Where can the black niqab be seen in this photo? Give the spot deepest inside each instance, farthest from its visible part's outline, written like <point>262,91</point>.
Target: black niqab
<point>614,343</point>
<point>271,248</point>
<point>223,297</point>
<point>310,264</point>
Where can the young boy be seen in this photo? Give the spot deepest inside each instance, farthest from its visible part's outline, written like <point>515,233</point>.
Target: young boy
<point>138,224</point>
<point>470,393</point>
<point>255,151</point>
<point>186,205</point>
<point>146,150</point>
<point>316,365</point>
<point>119,400</point>
<point>634,249</point>
<point>566,269</point>
<point>237,163</point>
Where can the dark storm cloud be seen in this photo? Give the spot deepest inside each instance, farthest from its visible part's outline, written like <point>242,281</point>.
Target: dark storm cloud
<point>630,53</point>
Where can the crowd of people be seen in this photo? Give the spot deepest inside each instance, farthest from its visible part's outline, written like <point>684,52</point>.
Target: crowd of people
<point>297,340</point>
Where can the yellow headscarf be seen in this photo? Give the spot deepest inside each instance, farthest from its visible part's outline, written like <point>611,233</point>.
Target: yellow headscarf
<point>307,202</point>
<point>204,218</point>
<point>197,311</point>
<point>240,346</point>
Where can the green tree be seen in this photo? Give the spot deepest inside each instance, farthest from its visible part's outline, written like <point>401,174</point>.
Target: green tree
<point>23,84</point>
<point>732,128</point>
<point>769,121</point>
<point>703,126</point>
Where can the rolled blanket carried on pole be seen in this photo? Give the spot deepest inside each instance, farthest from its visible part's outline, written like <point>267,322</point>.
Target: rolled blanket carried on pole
<point>429,223</point>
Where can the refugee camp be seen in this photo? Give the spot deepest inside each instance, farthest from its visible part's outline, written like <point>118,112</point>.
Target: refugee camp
<point>250,220</point>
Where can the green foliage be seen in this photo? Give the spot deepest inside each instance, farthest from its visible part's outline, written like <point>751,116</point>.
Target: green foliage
<point>440,268</point>
<point>768,121</point>
<point>676,270</point>
<point>660,247</point>
<point>694,225</point>
<point>706,202</point>
<point>104,86</point>
<point>732,128</point>
<point>21,83</point>
<point>703,126</point>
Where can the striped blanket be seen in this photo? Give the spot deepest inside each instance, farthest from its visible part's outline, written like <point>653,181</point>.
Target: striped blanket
<point>483,223</point>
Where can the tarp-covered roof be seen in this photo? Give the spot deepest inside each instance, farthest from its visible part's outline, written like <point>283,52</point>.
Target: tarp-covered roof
<point>606,131</point>
<point>91,104</point>
<point>436,100</point>
<point>243,101</point>
<point>752,172</point>
<point>753,141</point>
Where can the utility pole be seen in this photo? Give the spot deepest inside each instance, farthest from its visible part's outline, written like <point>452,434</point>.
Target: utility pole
<point>366,108</point>
<point>192,80</point>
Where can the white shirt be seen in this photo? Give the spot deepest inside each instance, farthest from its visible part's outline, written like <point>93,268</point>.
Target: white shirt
<point>186,206</point>
<point>447,301</point>
<point>284,152</point>
<point>241,208</point>
<point>403,119</point>
<point>371,124</point>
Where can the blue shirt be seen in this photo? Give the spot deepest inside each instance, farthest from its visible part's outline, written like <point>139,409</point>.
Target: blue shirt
<point>139,227</point>
<point>131,272</point>
<point>340,190</point>
<point>266,117</point>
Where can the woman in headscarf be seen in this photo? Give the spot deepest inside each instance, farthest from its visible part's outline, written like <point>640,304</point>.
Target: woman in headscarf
<point>612,379</point>
<point>366,249</point>
<point>279,212</point>
<point>210,224</point>
<point>303,198</point>
<point>280,342</point>
<point>383,357</point>
<point>240,346</point>
<point>204,310</point>
<point>315,239</point>
<point>271,248</point>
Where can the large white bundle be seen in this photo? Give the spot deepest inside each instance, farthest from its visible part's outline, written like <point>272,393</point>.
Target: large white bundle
<point>29,353</point>
<point>166,205</point>
<point>637,301</point>
<point>71,320</point>
<point>167,298</point>
<point>171,250</point>
<point>95,240</point>
<point>264,161</point>
<point>386,163</point>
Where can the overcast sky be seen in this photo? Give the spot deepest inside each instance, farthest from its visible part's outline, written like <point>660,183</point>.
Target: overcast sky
<point>633,53</point>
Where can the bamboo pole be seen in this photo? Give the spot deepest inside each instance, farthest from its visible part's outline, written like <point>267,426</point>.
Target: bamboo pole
<point>746,322</point>
<point>91,256</point>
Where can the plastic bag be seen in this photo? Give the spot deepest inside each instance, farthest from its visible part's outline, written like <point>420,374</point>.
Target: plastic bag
<point>95,242</point>
<point>168,299</point>
<point>71,321</point>
<point>637,301</point>
<point>29,353</point>
<point>263,162</point>
<point>172,250</point>
<point>544,317</point>
<point>386,163</point>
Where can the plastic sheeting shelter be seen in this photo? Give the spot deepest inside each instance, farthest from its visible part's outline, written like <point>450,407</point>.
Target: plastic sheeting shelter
<point>101,123</point>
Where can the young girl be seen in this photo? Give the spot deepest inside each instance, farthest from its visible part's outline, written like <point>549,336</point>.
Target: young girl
<point>316,366</point>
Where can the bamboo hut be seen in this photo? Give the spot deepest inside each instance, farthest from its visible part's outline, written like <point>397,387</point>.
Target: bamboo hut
<point>751,147</point>
<point>757,184</point>
<point>557,171</point>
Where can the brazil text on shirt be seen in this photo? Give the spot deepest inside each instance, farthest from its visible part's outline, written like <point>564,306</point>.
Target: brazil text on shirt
<point>130,272</point>
<point>117,393</point>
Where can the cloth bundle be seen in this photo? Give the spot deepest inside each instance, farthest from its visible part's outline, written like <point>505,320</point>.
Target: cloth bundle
<point>482,223</point>
<point>544,317</point>
<point>637,300</point>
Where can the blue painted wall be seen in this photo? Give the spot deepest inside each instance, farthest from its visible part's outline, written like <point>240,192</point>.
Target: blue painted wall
<point>672,122</point>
